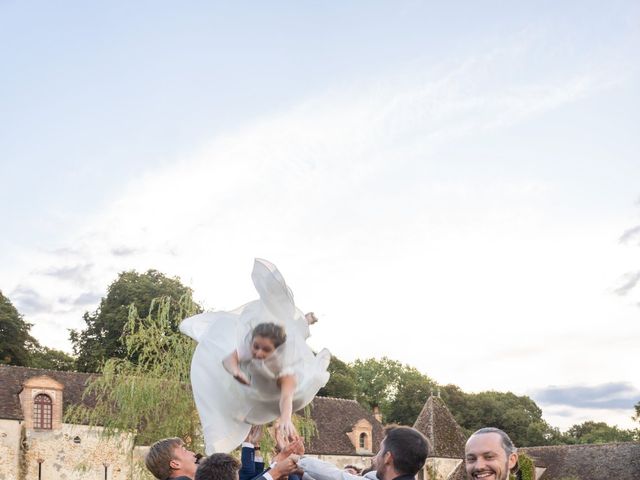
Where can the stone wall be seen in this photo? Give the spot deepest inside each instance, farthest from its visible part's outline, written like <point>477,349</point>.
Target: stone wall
<point>9,449</point>
<point>76,452</point>
<point>341,460</point>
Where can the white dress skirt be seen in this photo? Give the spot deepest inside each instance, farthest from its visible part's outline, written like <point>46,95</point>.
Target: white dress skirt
<point>227,408</point>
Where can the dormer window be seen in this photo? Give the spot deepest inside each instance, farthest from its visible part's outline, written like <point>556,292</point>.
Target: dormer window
<point>42,412</point>
<point>363,441</point>
<point>360,437</point>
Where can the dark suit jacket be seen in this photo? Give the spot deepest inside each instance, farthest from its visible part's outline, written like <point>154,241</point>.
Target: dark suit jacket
<point>249,467</point>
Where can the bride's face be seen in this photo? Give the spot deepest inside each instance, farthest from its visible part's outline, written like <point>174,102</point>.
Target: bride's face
<point>261,347</point>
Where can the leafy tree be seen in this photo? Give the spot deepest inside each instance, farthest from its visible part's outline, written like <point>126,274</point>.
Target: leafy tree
<point>413,390</point>
<point>376,382</point>
<point>518,415</point>
<point>15,339</point>
<point>45,357</point>
<point>400,391</point>
<point>636,417</point>
<point>342,382</point>
<point>598,432</point>
<point>150,396</point>
<point>102,339</point>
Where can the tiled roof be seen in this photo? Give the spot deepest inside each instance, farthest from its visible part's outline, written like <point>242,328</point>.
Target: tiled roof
<point>446,438</point>
<point>335,417</point>
<point>12,378</point>
<point>619,461</point>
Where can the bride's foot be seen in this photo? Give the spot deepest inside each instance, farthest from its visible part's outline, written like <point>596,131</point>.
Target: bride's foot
<point>311,318</point>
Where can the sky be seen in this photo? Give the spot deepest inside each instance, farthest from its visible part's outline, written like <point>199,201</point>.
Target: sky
<point>454,185</point>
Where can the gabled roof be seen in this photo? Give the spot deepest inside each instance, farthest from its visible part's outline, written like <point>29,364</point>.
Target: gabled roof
<point>12,379</point>
<point>335,417</point>
<point>620,461</point>
<point>446,438</point>
<point>459,473</point>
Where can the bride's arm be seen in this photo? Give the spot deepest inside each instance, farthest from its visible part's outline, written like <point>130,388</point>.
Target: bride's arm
<point>287,384</point>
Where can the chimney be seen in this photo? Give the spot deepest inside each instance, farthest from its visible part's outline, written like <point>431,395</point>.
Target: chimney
<point>377,414</point>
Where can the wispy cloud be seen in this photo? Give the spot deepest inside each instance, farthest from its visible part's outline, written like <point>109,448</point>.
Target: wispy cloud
<point>615,395</point>
<point>75,273</point>
<point>29,301</point>
<point>627,283</point>
<point>630,235</point>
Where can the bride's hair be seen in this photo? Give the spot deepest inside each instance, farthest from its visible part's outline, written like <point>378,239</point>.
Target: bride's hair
<point>273,332</point>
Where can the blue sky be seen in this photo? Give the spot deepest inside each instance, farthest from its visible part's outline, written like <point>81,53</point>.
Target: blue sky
<point>434,179</point>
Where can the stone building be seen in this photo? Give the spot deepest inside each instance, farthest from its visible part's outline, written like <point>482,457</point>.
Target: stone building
<point>34,441</point>
<point>620,461</point>
<point>36,444</point>
<point>446,442</point>
<point>561,462</point>
<point>348,434</point>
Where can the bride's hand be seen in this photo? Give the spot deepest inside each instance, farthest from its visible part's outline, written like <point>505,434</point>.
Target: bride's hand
<point>241,377</point>
<point>288,430</point>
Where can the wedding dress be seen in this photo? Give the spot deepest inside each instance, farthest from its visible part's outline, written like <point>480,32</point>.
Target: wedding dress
<point>227,408</point>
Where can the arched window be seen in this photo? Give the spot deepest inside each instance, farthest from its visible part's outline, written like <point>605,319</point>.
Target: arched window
<point>42,412</point>
<point>363,440</point>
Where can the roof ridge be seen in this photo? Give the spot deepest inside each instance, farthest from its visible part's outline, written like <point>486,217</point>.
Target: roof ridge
<point>564,445</point>
<point>47,369</point>
<point>336,398</point>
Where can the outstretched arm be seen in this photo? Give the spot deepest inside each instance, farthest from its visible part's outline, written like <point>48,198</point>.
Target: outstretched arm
<point>232,365</point>
<point>287,384</point>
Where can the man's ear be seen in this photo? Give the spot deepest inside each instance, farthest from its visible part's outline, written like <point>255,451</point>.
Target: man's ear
<point>174,464</point>
<point>513,459</point>
<point>388,458</point>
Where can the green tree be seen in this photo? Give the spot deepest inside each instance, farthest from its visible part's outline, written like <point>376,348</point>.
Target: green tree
<point>45,357</point>
<point>376,382</point>
<point>151,396</point>
<point>598,432</point>
<point>517,415</point>
<point>15,339</point>
<point>636,417</point>
<point>412,391</point>
<point>102,338</point>
<point>400,391</point>
<point>342,381</point>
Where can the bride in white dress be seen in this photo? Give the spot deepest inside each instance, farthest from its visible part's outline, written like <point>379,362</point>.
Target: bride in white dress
<point>253,365</point>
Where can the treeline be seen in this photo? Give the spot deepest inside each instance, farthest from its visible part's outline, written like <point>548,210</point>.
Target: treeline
<point>399,391</point>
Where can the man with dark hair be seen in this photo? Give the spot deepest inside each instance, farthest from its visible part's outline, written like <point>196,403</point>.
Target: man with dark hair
<point>403,452</point>
<point>169,459</point>
<point>490,454</point>
<point>218,466</point>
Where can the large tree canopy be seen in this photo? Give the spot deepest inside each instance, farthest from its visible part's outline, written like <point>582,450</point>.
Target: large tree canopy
<point>102,339</point>
<point>18,347</point>
<point>517,415</point>
<point>598,432</point>
<point>398,390</point>
<point>15,340</point>
<point>342,381</point>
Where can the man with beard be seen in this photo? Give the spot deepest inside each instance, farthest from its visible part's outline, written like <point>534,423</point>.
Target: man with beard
<point>402,454</point>
<point>490,455</point>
